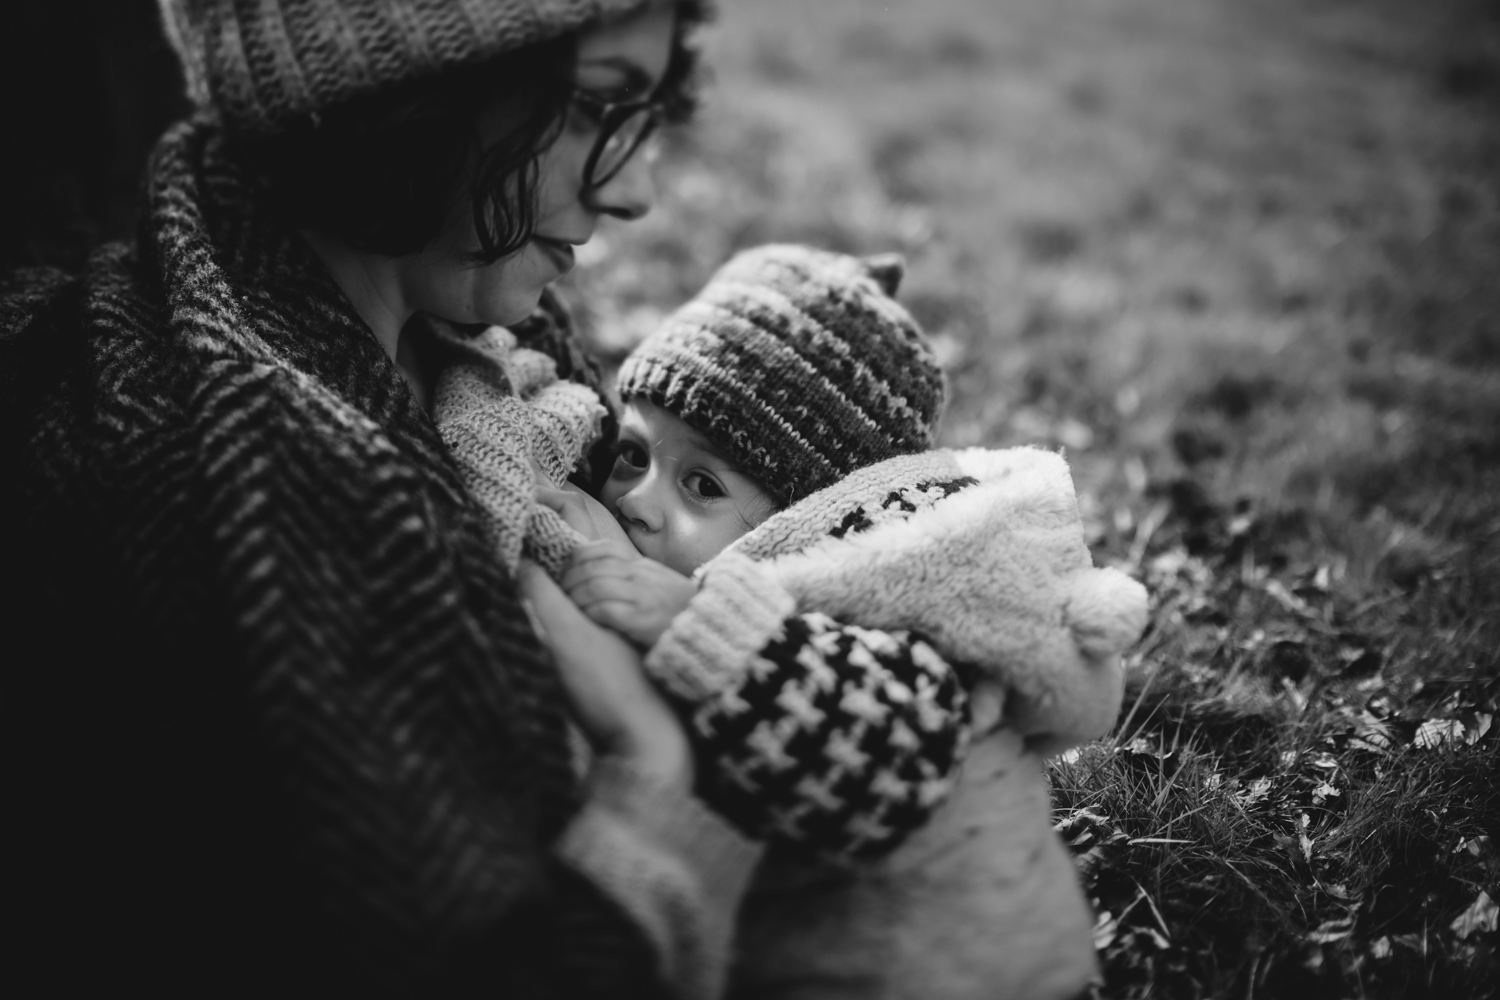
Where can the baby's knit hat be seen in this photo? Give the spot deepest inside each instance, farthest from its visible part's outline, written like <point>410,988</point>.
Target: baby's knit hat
<point>798,364</point>
<point>262,64</point>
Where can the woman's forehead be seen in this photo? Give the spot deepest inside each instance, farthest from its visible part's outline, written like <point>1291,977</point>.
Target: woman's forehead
<point>632,51</point>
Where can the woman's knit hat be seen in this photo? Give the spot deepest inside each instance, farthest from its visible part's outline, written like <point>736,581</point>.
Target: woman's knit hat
<point>798,364</point>
<point>262,64</point>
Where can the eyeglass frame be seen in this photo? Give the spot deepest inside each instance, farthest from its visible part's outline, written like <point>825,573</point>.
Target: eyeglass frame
<point>612,116</point>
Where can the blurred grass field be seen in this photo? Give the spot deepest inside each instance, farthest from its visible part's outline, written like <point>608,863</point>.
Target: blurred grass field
<point>1241,260</point>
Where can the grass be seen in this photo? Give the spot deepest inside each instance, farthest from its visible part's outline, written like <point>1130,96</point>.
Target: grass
<point>1239,259</point>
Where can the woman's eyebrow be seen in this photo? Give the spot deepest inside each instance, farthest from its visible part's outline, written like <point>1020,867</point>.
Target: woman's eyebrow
<point>635,78</point>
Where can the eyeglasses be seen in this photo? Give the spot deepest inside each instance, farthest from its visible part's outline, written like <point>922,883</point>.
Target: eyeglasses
<point>623,128</point>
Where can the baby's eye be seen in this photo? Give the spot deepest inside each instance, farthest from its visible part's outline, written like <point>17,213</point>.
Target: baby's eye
<point>630,456</point>
<point>704,485</point>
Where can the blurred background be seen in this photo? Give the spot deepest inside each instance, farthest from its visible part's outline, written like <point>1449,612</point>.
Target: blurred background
<point>1241,260</point>
<point>1159,231</point>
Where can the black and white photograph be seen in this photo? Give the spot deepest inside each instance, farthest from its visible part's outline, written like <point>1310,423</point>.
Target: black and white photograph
<point>751,499</point>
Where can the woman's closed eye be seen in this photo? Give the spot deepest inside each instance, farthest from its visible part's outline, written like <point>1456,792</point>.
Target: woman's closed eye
<point>590,105</point>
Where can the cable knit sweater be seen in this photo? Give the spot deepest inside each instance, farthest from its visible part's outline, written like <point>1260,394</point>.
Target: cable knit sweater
<point>280,724</point>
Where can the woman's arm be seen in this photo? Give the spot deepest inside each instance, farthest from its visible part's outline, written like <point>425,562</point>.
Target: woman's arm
<point>642,838</point>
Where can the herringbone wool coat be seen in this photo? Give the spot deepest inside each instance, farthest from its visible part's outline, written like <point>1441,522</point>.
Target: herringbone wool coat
<point>279,724</point>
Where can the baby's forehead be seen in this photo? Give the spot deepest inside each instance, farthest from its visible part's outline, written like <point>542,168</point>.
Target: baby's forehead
<point>665,427</point>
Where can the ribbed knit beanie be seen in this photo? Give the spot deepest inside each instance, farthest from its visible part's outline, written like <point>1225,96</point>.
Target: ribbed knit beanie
<point>798,364</point>
<point>262,64</point>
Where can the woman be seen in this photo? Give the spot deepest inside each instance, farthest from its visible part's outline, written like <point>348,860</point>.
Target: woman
<point>288,729</point>
<point>285,726</point>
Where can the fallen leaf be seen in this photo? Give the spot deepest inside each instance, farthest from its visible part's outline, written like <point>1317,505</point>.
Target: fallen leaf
<point>1477,846</point>
<point>1372,734</point>
<point>1435,733</point>
<point>1259,789</point>
<point>1323,792</point>
<point>1078,817</point>
<point>1337,890</point>
<point>1482,915</point>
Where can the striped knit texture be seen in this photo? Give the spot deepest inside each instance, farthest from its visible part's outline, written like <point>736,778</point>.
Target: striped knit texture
<point>263,64</point>
<point>798,364</point>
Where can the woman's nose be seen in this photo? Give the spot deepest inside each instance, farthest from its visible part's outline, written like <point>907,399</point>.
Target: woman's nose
<point>629,194</point>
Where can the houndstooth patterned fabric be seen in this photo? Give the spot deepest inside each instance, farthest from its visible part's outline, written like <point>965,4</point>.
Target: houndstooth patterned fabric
<point>838,742</point>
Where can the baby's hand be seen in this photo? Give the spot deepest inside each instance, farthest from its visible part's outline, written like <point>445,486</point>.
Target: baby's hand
<point>618,587</point>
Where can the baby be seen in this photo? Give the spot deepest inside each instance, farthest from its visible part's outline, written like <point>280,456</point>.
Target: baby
<point>774,475</point>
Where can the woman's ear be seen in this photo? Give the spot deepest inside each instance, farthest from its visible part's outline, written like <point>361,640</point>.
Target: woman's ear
<point>887,269</point>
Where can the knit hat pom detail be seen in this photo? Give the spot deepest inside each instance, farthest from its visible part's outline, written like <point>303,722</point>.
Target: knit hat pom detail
<point>887,269</point>
<point>798,365</point>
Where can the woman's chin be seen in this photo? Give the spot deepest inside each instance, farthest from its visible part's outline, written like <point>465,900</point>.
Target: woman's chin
<point>510,311</point>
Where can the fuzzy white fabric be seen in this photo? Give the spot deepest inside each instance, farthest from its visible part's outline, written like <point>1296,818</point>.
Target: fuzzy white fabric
<point>996,575</point>
<point>982,902</point>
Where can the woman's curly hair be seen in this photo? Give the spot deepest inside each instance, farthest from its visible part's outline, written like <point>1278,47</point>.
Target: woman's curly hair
<point>381,173</point>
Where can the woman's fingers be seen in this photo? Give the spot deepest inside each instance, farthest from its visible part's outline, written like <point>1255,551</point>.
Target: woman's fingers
<point>612,614</point>
<point>593,589</point>
<point>583,513</point>
<point>604,549</point>
<point>600,560</point>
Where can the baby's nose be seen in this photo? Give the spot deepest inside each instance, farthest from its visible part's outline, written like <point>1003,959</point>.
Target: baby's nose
<point>639,506</point>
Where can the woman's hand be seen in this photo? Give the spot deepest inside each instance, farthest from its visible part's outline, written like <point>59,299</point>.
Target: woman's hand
<point>615,705</point>
<point>582,512</point>
<point>619,588</point>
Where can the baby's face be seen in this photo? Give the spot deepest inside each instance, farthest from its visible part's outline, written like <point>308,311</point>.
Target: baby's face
<point>678,500</point>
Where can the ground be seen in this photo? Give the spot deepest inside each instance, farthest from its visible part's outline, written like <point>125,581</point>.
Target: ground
<point>1241,259</point>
